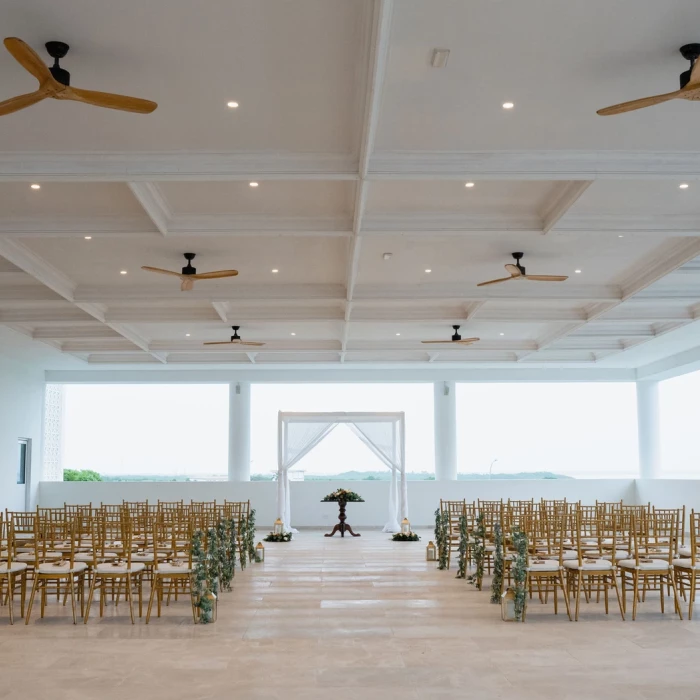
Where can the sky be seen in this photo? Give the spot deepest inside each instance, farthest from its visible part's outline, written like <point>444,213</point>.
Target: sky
<point>581,430</point>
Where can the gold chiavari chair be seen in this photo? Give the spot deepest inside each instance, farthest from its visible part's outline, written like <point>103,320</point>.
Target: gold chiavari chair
<point>120,570</point>
<point>12,573</point>
<point>643,567</point>
<point>239,511</point>
<point>66,571</point>
<point>545,571</point>
<point>686,568</point>
<point>588,570</point>
<point>454,511</point>
<point>172,567</point>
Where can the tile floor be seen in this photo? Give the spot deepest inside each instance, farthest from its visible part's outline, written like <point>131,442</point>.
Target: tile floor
<point>351,619</point>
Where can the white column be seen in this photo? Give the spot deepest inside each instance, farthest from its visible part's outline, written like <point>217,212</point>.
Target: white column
<point>445,404</point>
<point>649,429</point>
<point>239,432</point>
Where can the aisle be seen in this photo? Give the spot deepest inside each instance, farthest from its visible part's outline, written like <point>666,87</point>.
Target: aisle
<point>350,619</point>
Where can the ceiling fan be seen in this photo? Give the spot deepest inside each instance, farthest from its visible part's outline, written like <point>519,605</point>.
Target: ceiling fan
<point>456,338</point>
<point>189,273</point>
<point>55,82</point>
<point>517,272</point>
<point>235,340</point>
<point>690,86</point>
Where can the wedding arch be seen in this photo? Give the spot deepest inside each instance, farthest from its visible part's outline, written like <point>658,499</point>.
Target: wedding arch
<point>383,433</point>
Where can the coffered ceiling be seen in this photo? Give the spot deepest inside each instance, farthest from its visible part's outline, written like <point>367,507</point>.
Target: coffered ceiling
<point>361,151</point>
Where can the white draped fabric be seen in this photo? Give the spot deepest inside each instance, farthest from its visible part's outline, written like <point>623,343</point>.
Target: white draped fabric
<point>383,433</point>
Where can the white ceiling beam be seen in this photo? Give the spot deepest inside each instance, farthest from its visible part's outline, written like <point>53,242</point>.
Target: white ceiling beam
<point>171,166</point>
<point>153,201</point>
<point>95,331</point>
<point>565,196</point>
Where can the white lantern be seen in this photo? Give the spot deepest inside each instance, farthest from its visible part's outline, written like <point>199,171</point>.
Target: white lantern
<point>278,527</point>
<point>508,605</point>
<point>431,552</point>
<point>405,527</point>
<point>259,552</point>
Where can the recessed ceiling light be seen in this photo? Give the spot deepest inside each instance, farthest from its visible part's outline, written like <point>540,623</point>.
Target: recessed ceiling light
<point>469,184</point>
<point>387,256</point>
<point>122,272</point>
<point>439,58</point>
<point>36,186</point>
<point>275,271</point>
<point>683,185</point>
<point>398,334</point>
<point>292,334</point>
<point>187,335</point>
<point>428,270</point>
<point>621,235</point>
<point>88,238</point>
<point>253,184</point>
<point>501,334</point>
<point>508,105</point>
<point>232,105</point>
<point>578,272</point>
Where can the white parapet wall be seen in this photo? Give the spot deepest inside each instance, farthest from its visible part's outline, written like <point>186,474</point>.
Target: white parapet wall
<point>308,511</point>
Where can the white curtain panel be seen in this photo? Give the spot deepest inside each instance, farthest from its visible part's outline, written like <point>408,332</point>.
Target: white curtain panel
<point>297,440</point>
<point>383,433</point>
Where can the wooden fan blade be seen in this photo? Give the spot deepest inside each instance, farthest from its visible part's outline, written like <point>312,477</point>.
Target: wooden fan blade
<point>638,104</point>
<point>467,341</point>
<point>498,281</point>
<point>14,104</point>
<point>28,59</point>
<point>253,343</point>
<point>160,271</point>
<point>235,342</point>
<point>514,270</point>
<point>436,341</point>
<point>547,278</point>
<point>694,75</point>
<point>215,275</point>
<point>108,100</point>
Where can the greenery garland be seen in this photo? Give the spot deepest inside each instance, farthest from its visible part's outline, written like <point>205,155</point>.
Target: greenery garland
<point>213,560</point>
<point>243,543</point>
<point>250,535</point>
<point>442,523</point>
<point>463,545</point>
<point>478,552</point>
<point>497,583</point>
<point>519,570</point>
<point>200,580</point>
<point>281,537</point>
<point>404,537</point>
<point>343,495</point>
<point>226,535</point>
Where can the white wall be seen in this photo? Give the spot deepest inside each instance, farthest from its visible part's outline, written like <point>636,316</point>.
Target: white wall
<point>21,409</point>
<point>308,511</point>
<point>669,493</point>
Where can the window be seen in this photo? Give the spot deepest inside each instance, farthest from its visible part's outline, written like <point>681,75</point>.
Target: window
<point>145,432</point>
<point>679,419</point>
<point>23,460</point>
<point>547,430</point>
<point>341,455</point>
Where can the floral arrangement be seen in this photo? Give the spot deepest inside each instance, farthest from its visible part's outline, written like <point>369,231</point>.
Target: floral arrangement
<point>497,583</point>
<point>343,495</point>
<point>281,537</point>
<point>249,541</point>
<point>405,537</point>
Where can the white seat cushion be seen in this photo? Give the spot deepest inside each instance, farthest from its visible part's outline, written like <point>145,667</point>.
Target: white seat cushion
<point>685,551</point>
<point>619,554</point>
<point>653,565</point>
<point>136,568</point>
<point>15,567</point>
<point>597,565</point>
<point>568,555</point>
<point>548,566</point>
<point>29,556</point>
<point>686,564</point>
<point>88,556</point>
<point>63,569</point>
<point>166,569</point>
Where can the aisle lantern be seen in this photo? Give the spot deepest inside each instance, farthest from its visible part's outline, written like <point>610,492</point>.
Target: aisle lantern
<point>405,527</point>
<point>278,527</point>
<point>210,615</point>
<point>431,552</point>
<point>508,605</point>
<point>259,552</point>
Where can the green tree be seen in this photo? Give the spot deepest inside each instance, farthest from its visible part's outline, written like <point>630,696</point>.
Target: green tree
<point>81,475</point>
